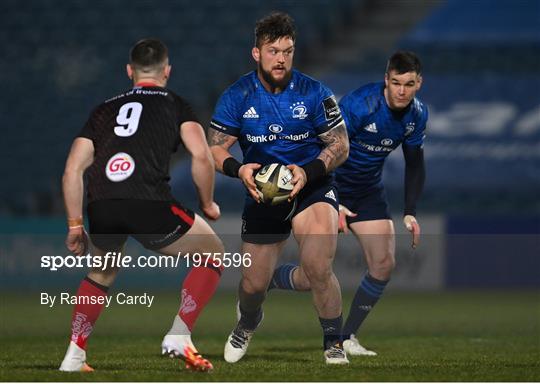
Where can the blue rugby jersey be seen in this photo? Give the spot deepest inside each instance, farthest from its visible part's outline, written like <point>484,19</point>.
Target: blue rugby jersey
<point>277,128</point>
<point>375,131</point>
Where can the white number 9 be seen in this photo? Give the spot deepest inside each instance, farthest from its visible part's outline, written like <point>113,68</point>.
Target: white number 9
<point>128,118</point>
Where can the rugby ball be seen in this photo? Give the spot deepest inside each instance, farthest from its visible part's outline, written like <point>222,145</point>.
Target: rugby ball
<point>273,183</point>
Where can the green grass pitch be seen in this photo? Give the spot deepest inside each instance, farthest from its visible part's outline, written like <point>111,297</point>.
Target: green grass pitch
<point>458,336</point>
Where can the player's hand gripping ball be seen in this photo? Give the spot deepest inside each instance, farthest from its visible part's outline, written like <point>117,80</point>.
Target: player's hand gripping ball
<point>273,183</point>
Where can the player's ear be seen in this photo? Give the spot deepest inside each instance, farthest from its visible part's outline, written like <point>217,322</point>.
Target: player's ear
<point>418,82</point>
<point>129,71</point>
<point>256,53</point>
<point>168,71</point>
<point>386,79</point>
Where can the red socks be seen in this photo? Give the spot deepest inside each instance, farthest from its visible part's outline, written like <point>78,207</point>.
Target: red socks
<point>85,313</point>
<point>198,288</point>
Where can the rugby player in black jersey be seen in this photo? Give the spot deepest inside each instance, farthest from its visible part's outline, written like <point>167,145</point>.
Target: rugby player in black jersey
<point>125,149</point>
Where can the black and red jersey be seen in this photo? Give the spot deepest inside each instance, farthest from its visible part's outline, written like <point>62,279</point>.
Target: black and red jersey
<point>134,135</point>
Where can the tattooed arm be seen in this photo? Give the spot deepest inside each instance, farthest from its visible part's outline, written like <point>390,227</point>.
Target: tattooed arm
<point>219,144</point>
<point>336,147</point>
<point>334,153</point>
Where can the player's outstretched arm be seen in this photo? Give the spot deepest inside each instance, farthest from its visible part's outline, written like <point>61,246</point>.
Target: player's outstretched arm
<point>336,147</point>
<point>225,163</point>
<point>80,157</point>
<point>202,167</point>
<point>415,174</point>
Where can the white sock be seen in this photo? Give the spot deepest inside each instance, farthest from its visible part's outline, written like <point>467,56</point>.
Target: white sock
<point>179,327</point>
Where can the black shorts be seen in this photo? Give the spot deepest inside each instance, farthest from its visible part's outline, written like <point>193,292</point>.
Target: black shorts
<point>372,206</point>
<point>155,224</point>
<point>269,224</point>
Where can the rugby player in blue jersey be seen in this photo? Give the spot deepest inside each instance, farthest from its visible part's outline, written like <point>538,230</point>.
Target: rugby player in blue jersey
<point>379,117</point>
<point>279,115</point>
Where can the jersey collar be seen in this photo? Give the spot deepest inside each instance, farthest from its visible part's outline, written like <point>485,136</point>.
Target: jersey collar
<point>146,84</point>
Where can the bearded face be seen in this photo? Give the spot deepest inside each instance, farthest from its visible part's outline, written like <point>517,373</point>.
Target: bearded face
<point>274,61</point>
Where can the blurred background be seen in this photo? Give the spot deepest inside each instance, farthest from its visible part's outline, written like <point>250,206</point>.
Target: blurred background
<point>480,210</point>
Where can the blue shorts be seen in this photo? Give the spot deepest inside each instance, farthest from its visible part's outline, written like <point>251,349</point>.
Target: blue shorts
<point>372,206</point>
<point>270,224</point>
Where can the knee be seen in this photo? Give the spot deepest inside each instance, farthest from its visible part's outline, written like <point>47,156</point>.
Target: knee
<point>216,246</point>
<point>211,244</point>
<point>388,263</point>
<point>382,268</point>
<point>254,286</point>
<point>317,275</point>
<point>301,281</point>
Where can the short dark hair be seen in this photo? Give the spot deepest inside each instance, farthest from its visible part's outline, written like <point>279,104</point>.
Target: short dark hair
<point>403,62</point>
<point>148,54</point>
<point>273,27</point>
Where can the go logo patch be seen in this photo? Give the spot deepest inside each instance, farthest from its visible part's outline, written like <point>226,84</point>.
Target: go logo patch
<point>119,167</point>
